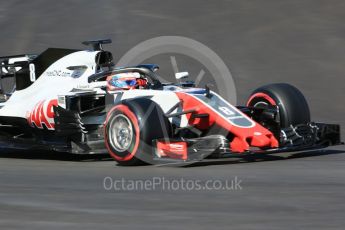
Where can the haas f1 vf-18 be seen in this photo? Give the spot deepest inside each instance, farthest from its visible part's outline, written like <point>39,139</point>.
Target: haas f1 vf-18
<point>78,102</point>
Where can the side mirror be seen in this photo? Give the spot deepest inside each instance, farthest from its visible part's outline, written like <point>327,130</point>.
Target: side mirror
<point>181,75</point>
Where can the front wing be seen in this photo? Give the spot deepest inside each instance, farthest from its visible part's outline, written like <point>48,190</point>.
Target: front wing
<point>294,138</point>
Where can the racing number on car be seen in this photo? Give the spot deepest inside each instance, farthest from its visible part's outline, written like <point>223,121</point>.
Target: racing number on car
<point>32,72</point>
<point>226,111</point>
<point>42,115</point>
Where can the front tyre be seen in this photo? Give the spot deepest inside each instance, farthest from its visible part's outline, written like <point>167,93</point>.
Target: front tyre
<point>292,105</point>
<point>131,127</point>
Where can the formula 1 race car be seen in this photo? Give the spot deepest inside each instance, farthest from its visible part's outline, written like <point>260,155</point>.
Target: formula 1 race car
<point>78,102</point>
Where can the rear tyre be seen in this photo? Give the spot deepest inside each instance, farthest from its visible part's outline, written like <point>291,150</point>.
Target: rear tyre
<point>131,127</point>
<point>293,107</point>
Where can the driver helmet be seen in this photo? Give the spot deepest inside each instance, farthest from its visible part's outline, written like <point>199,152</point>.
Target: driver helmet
<point>123,81</point>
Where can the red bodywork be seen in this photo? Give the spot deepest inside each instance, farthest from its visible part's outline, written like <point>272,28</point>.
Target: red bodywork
<point>42,114</point>
<point>244,137</point>
<point>172,149</point>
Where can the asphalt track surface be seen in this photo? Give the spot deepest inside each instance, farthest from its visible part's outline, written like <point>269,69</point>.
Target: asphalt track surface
<point>298,41</point>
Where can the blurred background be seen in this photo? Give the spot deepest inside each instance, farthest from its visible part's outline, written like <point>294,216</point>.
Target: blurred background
<point>301,42</point>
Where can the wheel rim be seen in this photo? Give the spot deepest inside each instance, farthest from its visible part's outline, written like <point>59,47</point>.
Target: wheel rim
<point>260,104</point>
<point>121,133</point>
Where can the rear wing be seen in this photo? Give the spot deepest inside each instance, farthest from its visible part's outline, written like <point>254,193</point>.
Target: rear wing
<point>13,67</point>
<point>26,68</point>
<point>9,65</point>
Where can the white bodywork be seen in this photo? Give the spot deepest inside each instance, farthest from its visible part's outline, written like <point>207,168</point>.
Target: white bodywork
<point>166,99</point>
<point>54,81</point>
